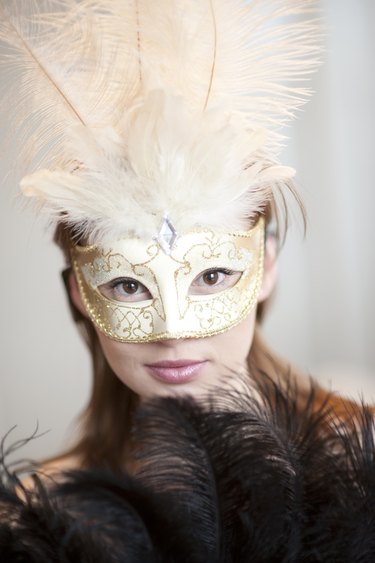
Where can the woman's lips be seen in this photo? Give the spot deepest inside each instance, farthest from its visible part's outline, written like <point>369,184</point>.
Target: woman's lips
<point>180,371</point>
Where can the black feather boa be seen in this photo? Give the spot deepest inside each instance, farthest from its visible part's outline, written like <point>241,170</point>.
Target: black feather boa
<point>236,480</point>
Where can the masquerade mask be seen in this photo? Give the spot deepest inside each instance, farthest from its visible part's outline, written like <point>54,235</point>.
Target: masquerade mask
<point>195,285</point>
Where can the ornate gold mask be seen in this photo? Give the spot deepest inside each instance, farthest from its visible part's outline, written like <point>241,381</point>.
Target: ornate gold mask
<point>138,291</point>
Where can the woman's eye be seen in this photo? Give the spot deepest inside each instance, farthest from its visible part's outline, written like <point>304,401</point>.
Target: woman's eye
<point>213,281</point>
<point>125,289</point>
<point>212,277</point>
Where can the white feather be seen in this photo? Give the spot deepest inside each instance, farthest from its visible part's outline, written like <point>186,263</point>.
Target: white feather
<point>145,108</point>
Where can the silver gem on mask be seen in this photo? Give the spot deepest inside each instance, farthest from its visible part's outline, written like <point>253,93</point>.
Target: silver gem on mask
<point>166,236</point>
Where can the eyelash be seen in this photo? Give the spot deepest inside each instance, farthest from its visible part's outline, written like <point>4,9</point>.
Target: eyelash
<point>118,281</point>
<point>221,270</point>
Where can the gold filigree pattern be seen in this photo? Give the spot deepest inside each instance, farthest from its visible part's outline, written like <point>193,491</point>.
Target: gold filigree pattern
<point>172,312</point>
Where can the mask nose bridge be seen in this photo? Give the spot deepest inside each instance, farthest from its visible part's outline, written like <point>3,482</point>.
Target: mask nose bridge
<point>165,275</point>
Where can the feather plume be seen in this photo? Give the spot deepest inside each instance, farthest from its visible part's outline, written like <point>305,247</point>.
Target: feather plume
<point>131,110</point>
<point>233,477</point>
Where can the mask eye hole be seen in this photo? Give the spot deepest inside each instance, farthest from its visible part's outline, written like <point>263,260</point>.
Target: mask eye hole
<point>213,281</point>
<point>125,290</point>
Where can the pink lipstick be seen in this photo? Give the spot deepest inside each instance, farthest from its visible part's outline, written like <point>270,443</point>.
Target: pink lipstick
<point>180,371</point>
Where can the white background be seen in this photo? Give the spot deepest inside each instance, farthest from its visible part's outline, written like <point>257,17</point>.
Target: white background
<point>323,317</point>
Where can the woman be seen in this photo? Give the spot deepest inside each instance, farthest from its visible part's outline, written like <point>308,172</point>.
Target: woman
<point>164,172</point>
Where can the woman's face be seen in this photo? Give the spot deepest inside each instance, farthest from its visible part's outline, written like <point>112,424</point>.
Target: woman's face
<point>190,365</point>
